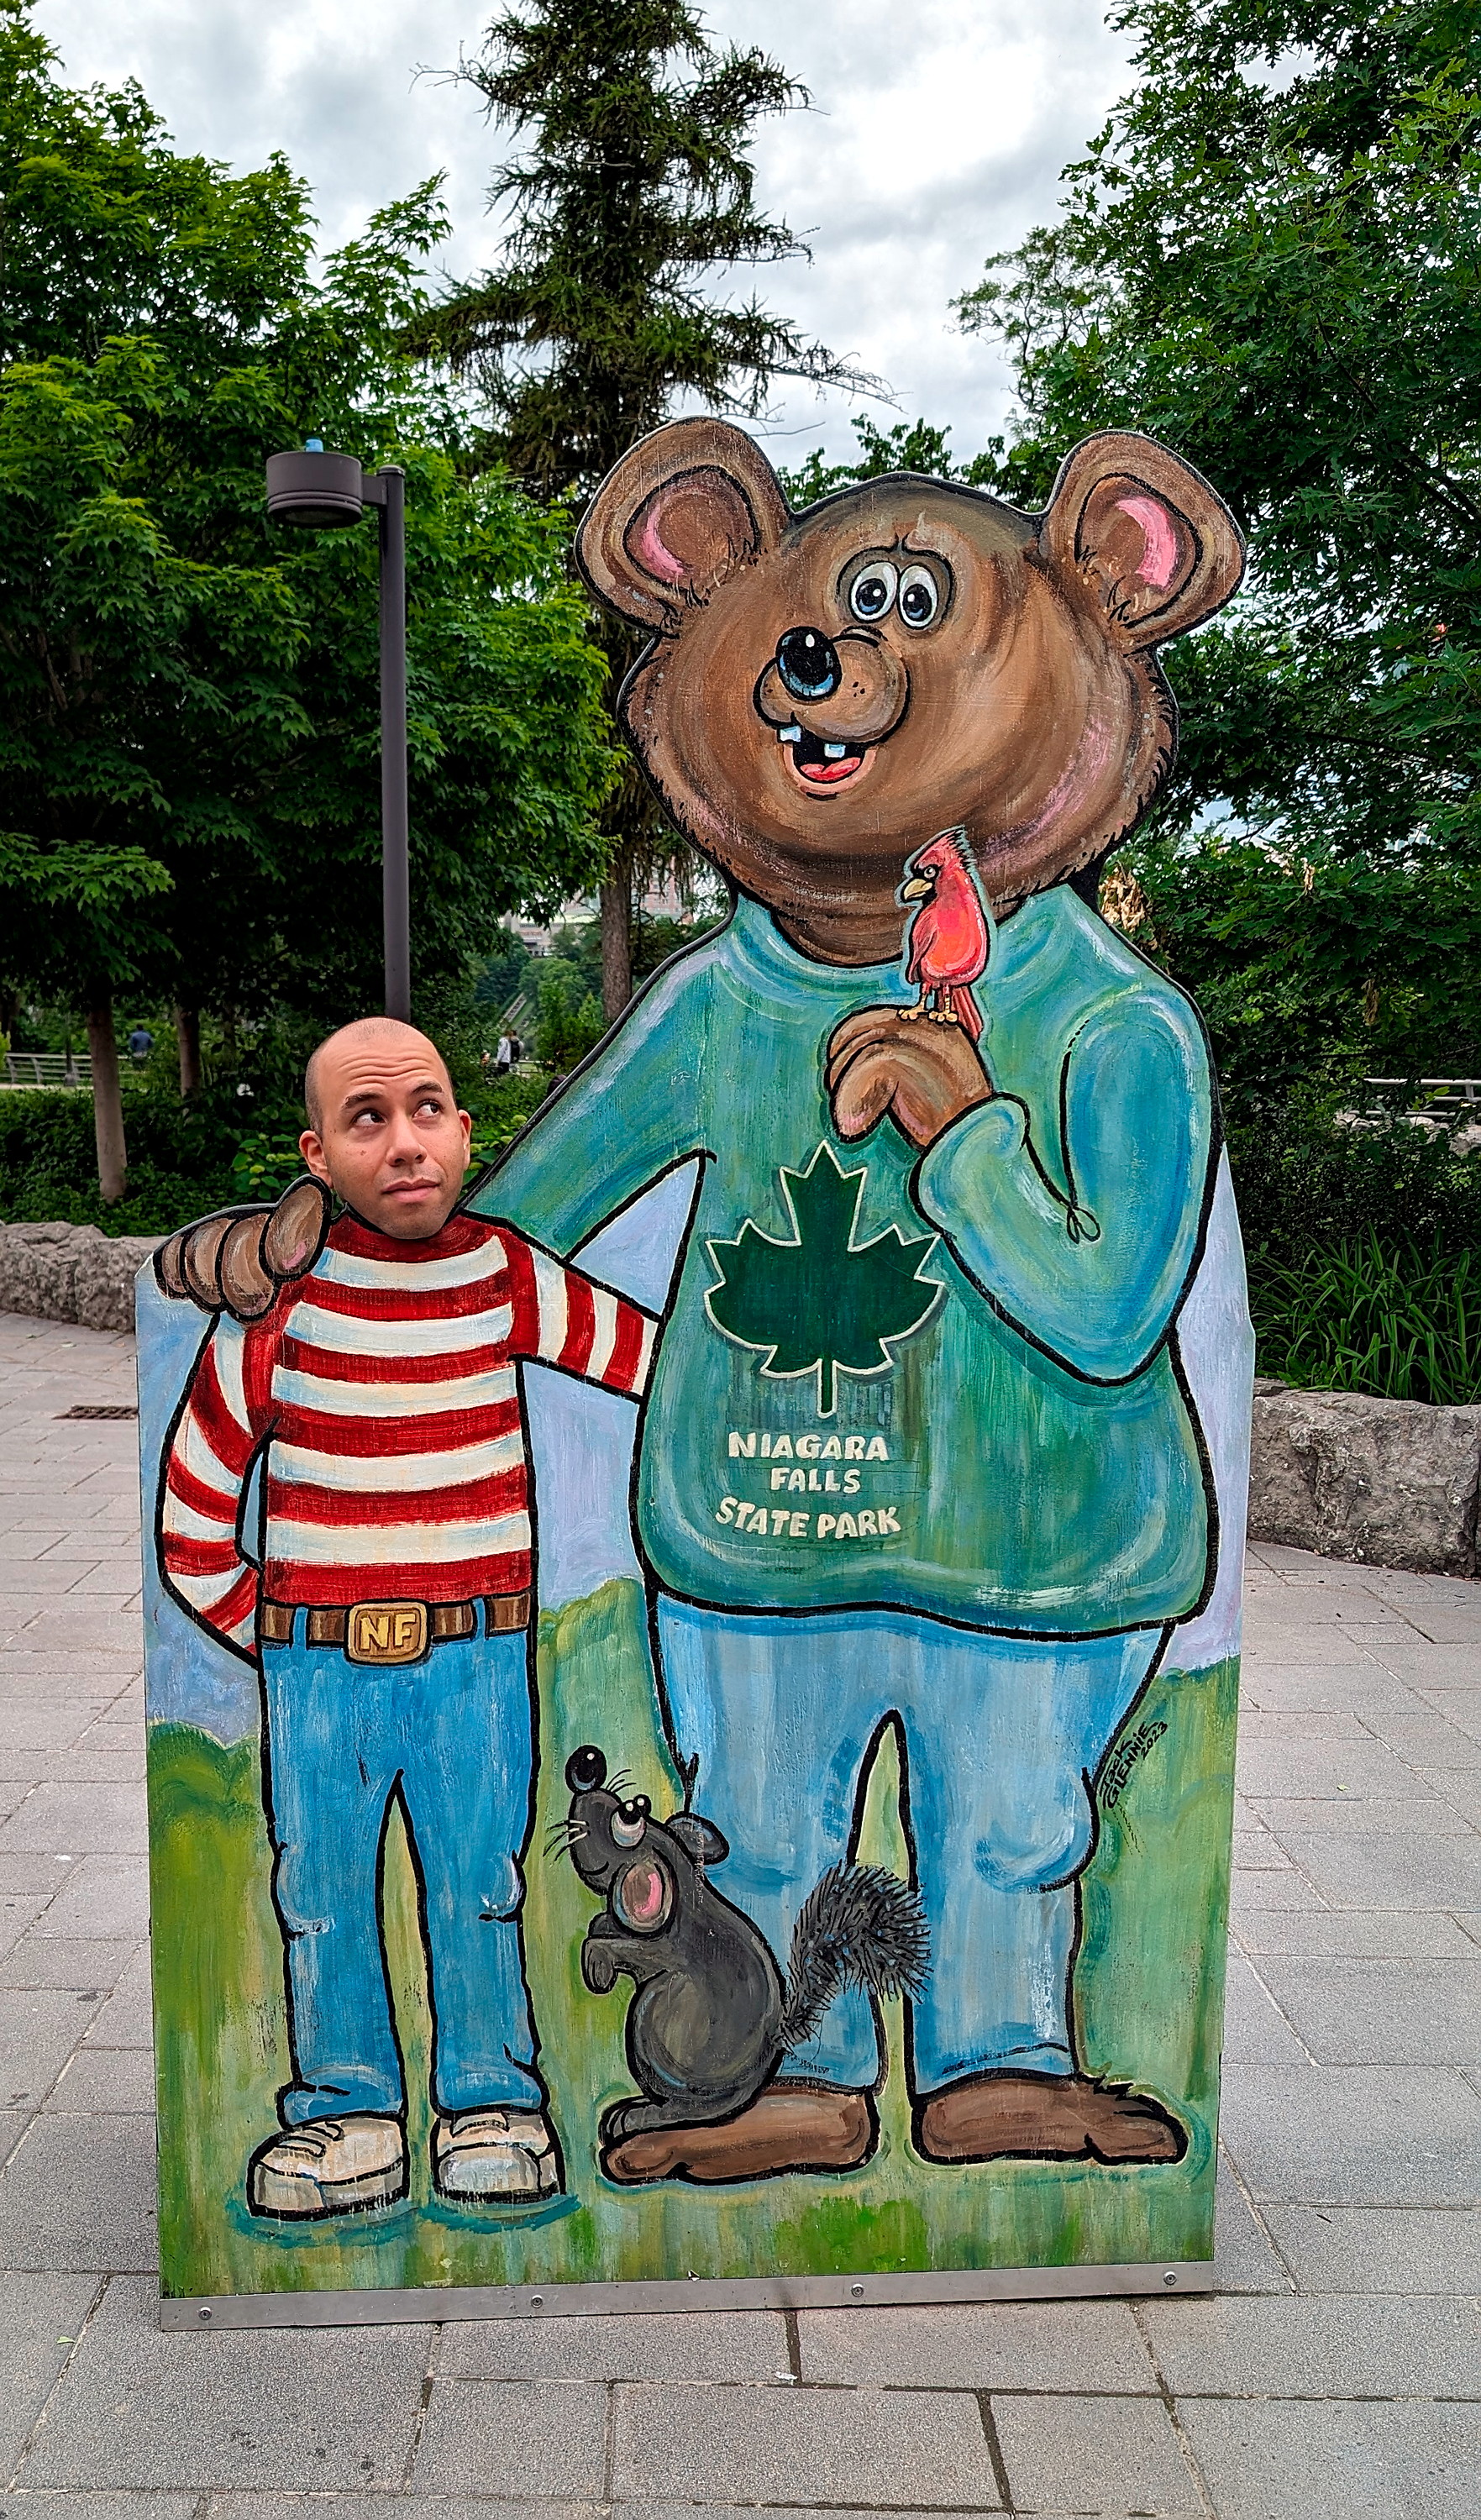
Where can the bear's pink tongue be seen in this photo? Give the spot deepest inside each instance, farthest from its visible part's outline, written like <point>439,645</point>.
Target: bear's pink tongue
<point>827,774</point>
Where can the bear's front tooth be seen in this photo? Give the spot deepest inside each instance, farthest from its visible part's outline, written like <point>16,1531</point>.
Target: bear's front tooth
<point>834,751</point>
<point>788,735</point>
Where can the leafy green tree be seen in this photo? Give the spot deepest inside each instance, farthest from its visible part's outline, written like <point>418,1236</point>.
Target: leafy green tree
<point>908,447</point>
<point>1271,256</point>
<point>189,733</point>
<point>634,189</point>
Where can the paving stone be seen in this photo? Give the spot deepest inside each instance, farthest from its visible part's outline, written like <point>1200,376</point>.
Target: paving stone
<point>1255,2031</point>
<point>30,1870</point>
<point>39,2027</point>
<point>18,1911</point>
<point>719,2344</point>
<point>1049,2345</point>
<point>1282,1891</point>
<point>1381,2012</point>
<point>1460,1706</point>
<point>915,2447</point>
<point>1427,1740</point>
<point>1385,1871</point>
<point>1318,2346</point>
<point>22,2503</point>
<point>80,1819</point>
<point>26,1725</point>
<point>1279,2461</point>
<point>1319,1816</point>
<point>1325,1769</point>
<point>112,2082</point>
<point>1111,2456</point>
<point>1303,1724</point>
<point>283,2408</point>
<point>1354,2135</point>
<point>106,1895</point>
<point>40,2316</point>
<point>516,2437</point>
<point>1350,1933</point>
<point>80,2194</point>
<point>1356,2249</point>
<point>126,2019</point>
<point>49,1961</point>
<point>382,2507</point>
<point>1243,2258</point>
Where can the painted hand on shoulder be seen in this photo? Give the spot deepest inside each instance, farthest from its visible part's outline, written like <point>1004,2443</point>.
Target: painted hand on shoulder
<point>236,1262</point>
<point>924,1075</point>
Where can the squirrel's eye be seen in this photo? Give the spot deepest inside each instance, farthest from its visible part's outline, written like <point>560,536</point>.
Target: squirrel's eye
<point>873,590</point>
<point>920,597</point>
<point>628,1832</point>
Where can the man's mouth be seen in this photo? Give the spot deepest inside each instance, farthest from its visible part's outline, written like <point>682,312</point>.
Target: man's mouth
<point>820,764</point>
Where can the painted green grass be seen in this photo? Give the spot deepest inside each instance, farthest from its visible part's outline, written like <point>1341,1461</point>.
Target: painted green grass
<point>1150,1990</point>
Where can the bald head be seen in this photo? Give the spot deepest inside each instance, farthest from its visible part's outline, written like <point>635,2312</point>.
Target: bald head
<point>384,1129</point>
<point>370,1033</point>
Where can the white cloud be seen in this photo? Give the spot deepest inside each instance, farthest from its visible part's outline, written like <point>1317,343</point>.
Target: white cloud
<point>925,151</point>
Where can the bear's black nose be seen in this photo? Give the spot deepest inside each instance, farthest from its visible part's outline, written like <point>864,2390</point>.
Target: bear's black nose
<point>586,1769</point>
<point>808,664</point>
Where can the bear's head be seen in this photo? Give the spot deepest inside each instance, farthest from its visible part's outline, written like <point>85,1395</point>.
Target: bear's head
<point>824,691</point>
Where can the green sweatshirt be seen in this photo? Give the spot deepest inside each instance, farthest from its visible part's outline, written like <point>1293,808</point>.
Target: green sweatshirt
<point>945,1383</point>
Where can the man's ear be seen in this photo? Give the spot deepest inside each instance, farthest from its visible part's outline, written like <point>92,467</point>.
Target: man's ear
<point>682,509</point>
<point>699,1837</point>
<point>1145,534</point>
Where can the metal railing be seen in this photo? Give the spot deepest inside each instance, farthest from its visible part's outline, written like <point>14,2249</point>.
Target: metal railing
<point>34,1067</point>
<point>1442,1098</point>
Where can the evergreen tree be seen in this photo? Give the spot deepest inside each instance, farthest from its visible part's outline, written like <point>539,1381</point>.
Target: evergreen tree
<point>634,189</point>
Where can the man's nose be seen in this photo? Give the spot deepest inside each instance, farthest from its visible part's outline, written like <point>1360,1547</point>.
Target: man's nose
<point>808,664</point>
<point>406,1146</point>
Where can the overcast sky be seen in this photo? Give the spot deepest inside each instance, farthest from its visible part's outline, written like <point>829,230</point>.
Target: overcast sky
<point>936,137</point>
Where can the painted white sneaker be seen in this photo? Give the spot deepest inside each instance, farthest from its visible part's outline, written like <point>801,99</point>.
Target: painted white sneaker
<point>494,2156</point>
<point>330,2166</point>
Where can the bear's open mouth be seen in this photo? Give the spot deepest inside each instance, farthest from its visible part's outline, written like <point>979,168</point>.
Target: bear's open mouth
<point>820,764</point>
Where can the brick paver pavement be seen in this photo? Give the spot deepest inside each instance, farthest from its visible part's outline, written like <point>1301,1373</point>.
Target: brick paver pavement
<point>1338,2372</point>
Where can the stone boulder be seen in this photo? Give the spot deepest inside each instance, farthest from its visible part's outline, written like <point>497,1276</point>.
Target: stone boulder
<point>71,1272</point>
<point>1385,1482</point>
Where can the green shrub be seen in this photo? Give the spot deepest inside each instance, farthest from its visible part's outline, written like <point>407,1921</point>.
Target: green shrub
<point>1394,1322</point>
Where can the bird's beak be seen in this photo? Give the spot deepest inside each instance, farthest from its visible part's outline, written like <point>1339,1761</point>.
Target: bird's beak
<point>920,889</point>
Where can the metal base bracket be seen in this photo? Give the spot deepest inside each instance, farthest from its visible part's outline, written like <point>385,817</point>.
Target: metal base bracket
<point>385,2307</point>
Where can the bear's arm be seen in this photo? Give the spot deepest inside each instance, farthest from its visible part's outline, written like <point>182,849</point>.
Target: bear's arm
<point>635,1108</point>
<point>1081,1219</point>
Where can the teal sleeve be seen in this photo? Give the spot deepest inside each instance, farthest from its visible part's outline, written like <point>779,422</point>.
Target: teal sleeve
<point>1082,1227</point>
<point>635,1110</point>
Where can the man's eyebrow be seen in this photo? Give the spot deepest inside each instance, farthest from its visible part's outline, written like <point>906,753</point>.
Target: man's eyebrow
<point>367,1094</point>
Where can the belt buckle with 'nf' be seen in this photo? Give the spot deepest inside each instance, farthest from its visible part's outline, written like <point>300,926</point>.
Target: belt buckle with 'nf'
<point>387,1632</point>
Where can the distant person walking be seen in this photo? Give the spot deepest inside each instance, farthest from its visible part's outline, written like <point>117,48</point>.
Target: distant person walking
<point>141,1042</point>
<point>504,1055</point>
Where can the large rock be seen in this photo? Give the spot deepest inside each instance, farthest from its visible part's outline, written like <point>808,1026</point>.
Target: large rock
<point>71,1272</point>
<point>1387,1482</point>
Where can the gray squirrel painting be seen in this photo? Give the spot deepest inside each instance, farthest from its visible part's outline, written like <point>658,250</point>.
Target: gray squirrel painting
<point>712,2017</point>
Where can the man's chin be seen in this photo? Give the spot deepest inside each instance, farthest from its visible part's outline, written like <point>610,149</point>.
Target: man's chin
<point>412,1219</point>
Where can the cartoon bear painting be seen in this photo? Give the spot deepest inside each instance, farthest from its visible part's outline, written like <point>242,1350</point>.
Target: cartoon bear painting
<point>926,1458</point>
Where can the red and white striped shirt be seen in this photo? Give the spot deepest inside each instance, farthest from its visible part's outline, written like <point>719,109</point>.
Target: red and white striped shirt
<point>385,1386</point>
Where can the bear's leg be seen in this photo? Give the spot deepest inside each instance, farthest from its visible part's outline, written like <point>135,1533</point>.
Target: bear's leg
<point>1000,1737</point>
<point>781,1714</point>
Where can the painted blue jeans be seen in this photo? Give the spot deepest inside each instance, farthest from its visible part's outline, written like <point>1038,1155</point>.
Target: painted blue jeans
<point>1000,1737</point>
<point>450,1739</point>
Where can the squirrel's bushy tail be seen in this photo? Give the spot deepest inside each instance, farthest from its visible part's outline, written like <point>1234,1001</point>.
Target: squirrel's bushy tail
<point>861,1926</point>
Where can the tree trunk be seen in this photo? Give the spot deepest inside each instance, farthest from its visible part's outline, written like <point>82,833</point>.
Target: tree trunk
<point>107,1096</point>
<point>616,899</point>
<point>188,1036</point>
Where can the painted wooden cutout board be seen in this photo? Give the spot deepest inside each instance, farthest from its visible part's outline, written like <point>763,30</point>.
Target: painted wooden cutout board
<point>821,1890</point>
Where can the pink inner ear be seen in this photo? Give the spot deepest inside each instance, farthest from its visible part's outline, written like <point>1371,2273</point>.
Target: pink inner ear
<point>653,552</point>
<point>1160,557</point>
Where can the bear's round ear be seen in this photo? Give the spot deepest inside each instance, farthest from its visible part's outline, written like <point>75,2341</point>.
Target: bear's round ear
<point>1146,533</point>
<point>682,509</point>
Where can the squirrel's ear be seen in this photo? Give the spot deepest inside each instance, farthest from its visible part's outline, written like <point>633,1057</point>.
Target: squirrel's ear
<point>1153,544</point>
<point>682,509</point>
<point>699,1837</point>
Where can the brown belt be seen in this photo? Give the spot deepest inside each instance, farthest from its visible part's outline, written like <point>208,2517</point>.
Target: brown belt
<point>395,1632</point>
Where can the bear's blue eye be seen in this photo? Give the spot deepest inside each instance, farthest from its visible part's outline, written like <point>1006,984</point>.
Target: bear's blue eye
<point>920,597</point>
<point>872,592</point>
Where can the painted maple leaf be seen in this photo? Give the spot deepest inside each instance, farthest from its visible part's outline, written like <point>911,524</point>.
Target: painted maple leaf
<point>822,1303</point>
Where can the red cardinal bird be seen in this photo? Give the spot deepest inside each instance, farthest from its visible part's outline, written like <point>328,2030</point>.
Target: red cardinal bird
<point>949,939</point>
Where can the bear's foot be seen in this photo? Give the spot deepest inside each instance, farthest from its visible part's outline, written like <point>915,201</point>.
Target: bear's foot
<point>1046,2117</point>
<point>789,2126</point>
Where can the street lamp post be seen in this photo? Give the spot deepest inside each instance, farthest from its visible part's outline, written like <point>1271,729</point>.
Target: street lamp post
<point>315,487</point>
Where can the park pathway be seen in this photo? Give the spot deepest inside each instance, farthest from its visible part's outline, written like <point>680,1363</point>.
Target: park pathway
<point>1336,2376</point>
